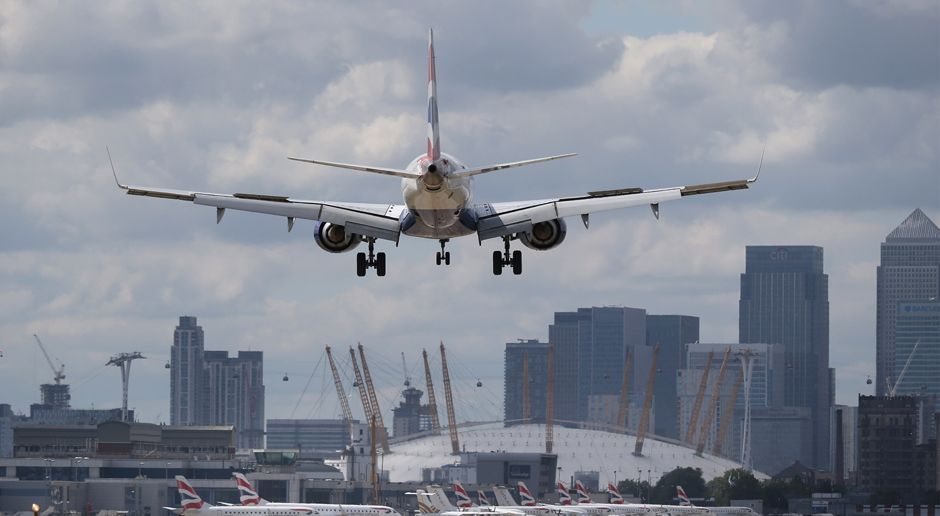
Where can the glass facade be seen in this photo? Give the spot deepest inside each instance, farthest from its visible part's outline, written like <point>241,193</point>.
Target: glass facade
<point>536,355</point>
<point>672,333</point>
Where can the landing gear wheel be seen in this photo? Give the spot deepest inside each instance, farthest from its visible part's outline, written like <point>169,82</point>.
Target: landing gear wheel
<point>361,264</point>
<point>517,262</point>
<point>443,257</point>
<point>497,263</point>
<point>447,258</point>
<point>439,259</point>
<point>380,264</point>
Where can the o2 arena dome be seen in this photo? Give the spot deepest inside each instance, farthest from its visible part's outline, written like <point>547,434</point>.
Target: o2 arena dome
<point>610,454</point>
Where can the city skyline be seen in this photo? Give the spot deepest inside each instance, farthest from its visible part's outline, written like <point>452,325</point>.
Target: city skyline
<point>648,95</point>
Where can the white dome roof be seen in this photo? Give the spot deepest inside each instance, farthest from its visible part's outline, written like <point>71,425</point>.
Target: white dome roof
<point>577,450</point>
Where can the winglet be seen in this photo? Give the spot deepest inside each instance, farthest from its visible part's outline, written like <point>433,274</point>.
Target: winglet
<point>113,172</point>
<point>761,165</point>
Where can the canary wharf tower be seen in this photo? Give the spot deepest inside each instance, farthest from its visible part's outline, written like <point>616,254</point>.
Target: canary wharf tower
<point>909,273</point>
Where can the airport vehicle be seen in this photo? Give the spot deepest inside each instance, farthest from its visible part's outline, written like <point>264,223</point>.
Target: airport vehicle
<point>248,496</point>
<point>438,204</point>
<point>686,501</point>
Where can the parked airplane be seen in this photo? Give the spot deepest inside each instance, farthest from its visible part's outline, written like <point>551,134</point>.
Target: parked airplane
<point>651,507</point>
<point>685,501</point>
<point>248,496</point>
<point>192,505</point>
<point>438,204</point>
<point>441,500</point>
<point>428,504</point>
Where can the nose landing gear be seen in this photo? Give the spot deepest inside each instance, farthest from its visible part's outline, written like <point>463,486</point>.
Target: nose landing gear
<point>505,258</point>
<point>443,256</point>
<point>374,260</point>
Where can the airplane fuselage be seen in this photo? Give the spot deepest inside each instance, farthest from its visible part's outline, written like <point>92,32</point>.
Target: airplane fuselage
<point>437,201</point>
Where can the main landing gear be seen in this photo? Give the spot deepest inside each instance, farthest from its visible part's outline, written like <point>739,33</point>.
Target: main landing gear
<point>503,259</point>
<point>376,260</point>
<point>443,256</point>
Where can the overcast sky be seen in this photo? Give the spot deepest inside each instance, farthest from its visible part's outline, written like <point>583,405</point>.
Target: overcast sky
<point>213,96</point>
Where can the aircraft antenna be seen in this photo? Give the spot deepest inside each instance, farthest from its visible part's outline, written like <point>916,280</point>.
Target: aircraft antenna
<point>123,361</point>
<point>712,404</point>
<point>449,400</point>
<point>432,400</point>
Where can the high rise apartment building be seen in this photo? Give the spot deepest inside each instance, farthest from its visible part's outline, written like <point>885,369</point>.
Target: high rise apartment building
<point>785,302</point>
<point>211,388</point>
<point>909,273</point>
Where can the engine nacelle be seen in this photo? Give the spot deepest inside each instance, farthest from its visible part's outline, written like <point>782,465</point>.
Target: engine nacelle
<point>334,238</point>
<point>545,235</point>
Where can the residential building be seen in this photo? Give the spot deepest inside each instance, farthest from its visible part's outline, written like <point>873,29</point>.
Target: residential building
<point>235,394</point>
<point>785,302</point>
<point>917,352</point>
<point>844,444</point>
<point>909,272</point>
<point>187,394</point>
<point>410,416</point>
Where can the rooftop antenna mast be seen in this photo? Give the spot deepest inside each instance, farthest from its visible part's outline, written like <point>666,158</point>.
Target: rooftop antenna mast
<point>123,360</point>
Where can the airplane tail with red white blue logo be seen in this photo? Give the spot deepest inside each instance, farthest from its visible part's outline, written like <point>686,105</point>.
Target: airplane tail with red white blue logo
<point>482,499</point>
<point>189,500</point>
<point>463,497</point>
<point>683,498</point>
<point>563,497</point>
<point>246,492</point>
<point>614,493</point>
<point>525,496</point>
<point>583,496</point>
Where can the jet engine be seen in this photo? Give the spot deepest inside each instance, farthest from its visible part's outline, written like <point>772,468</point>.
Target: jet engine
<point>545,235</point>
<point>334,238</point>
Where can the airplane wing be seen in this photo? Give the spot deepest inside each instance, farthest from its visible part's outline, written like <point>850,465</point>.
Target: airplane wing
<point>501,219</point>
<point>370,220</point>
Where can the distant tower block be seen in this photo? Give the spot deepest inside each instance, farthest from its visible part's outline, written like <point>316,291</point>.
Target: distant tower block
<point>123,361</point>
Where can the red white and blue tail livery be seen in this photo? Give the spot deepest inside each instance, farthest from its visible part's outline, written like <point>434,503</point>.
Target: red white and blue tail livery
<point>683,498</point>
<point>482,499</point>
<point>583,496</point>
<point>563,497</point>
<point>463,497</point>
<point>189,500</point>
<point>246,492</point>
<point>437,204</point>
<point>525,496</point>
<point>614,493</point>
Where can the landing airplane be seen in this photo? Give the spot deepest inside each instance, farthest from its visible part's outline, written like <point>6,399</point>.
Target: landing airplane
<point>438,204</point>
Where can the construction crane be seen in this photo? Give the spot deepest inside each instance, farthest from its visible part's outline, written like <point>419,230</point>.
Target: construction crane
<point>712,404</point>
<point>376,412</point>
<point>59,374</point>
<point>340,392</point>
<point>432,401</point>
<point>892,391</point>
<point>697,407</point>
<point>550,401</point>
<point>625,393</point>
<point>361,385</point>
<point>526,410</point>
<point>449,400</point>
<point>123,360</point>
<point>645,417</point>
<point>404,370</point>
<point>727,415</point>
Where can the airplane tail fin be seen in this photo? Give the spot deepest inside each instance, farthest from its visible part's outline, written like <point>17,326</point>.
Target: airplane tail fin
<point>439,498</point>
<point>614,493</point>
<point>425,503</point>
<point>583,496</point>
<point>463,497</point>
<point>683,498</point>
<point>563,497</point>
<point>246,492</point>
<point>188,497</point>
<point>482,499</point>
<point>525,496</point>
<point>502,496</point>
<point>434,134</point>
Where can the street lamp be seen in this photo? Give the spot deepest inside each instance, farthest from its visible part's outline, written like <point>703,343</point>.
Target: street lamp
<point>140,468</point>
<point>166,472</point>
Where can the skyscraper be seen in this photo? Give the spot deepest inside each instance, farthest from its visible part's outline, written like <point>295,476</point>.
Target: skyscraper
<point>234,393</point>
<point>187,400</point>
<point>591,347</point>
<point>785,301</point>
<point>909,272</point>
<point>672,333</point>
<point>536,356</point>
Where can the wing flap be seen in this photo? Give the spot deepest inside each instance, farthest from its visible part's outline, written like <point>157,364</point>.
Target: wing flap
<point>724,186</point>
